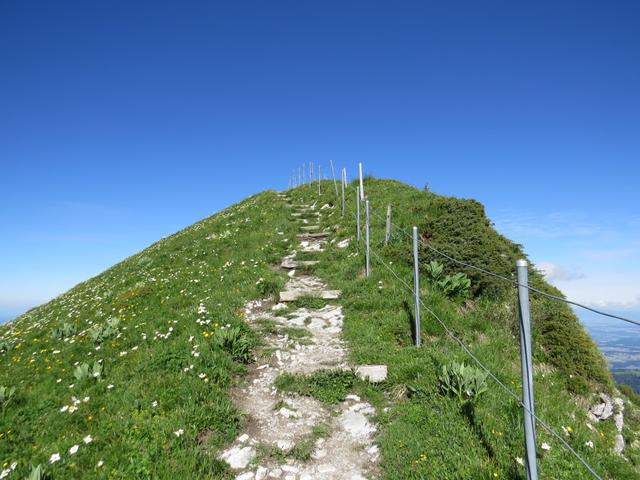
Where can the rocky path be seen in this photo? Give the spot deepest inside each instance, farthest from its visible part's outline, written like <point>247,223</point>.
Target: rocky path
<point>338,441</point>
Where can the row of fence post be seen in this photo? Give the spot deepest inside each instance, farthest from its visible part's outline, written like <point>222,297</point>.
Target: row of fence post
<point>524,321</point>
<point>523,296</point>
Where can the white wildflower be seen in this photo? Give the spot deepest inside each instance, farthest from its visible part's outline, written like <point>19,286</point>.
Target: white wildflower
<point>87,439</point>
<point>178,432</point>
<point>589,444</point>
<point>74,449</point>
<point>545,446</point>
<point>55,457</point>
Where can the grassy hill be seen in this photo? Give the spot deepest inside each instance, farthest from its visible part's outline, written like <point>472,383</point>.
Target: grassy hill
<point>134,366</point>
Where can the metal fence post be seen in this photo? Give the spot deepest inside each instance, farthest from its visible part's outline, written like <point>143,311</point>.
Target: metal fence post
<point>310,172</point>
<point>319,177</point>
<point>358,214</point>
<point>333,174</point>
<point>368,263</point>
<point>416,286</point>
<point>343,201</point>
<point>361,185</point>
<point>387,233</point>
<point>531,466</point>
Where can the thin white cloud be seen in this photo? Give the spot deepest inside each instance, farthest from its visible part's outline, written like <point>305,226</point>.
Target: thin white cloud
<point>609,290</point>
<point>611,254</point>
<point>549,226</point>
<point>553,272</point>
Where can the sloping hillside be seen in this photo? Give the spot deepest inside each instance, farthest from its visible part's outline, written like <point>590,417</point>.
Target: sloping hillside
<point>135,366</point>
<point>166,331</point>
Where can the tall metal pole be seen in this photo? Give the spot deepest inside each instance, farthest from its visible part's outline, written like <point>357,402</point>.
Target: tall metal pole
<point>531,465</point>
<point>361,186</point>
<point>368,253</point>
<point>416,287</point>
<point>319,177</point>
<point>387,232</point>
<point>343,200</point>
<point>310,172</point>
<point>333,174</point>
<point>358,213</point>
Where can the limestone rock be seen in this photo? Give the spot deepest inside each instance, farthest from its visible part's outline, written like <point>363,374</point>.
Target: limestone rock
<point>372,373</point>
<point>238,457</point>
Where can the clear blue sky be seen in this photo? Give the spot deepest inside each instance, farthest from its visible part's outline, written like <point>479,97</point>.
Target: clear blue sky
<point>122,122</point>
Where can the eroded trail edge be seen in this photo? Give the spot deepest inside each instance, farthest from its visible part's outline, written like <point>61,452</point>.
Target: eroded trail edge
<point>291,436</point>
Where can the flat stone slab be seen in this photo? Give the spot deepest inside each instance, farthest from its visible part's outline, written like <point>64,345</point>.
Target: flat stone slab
<point>290,263</point>
<point>310,227</point>
<point>313,235</point>
<point>372,373</point>
<point>292,295</point>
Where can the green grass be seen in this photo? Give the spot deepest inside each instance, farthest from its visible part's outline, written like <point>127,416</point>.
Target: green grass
<point>429,435</point>
<point>220,262</point>
<point>226,260</point>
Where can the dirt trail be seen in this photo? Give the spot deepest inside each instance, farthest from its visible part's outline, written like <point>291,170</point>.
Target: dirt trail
<point>303,341</point>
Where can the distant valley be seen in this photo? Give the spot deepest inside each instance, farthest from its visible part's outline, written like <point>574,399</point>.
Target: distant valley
<point>620,344</point>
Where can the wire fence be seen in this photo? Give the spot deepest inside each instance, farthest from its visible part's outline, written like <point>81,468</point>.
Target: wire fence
<point>510,280</point>
<point>501,384</point>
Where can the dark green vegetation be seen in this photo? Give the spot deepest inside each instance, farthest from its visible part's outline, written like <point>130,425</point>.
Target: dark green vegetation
<point>164,332</point>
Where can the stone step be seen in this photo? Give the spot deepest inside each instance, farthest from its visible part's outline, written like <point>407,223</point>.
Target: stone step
<point>303,236</point>
<point>290,263</point>
<point>292,295</point>
<point>372,373</point>
<point>309,227</point>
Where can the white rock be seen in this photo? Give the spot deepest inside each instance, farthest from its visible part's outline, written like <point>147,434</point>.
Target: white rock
<point>619,446</point>
<point>355,398</point>
<point>275,473</point>
<point>239,457</point>
<point>243,438</point>
<point>285,445</point>
<point>290,469</point>
<point>261,473</point>
<point>326,468</point>
<point>356,424</point>
<point>372,373</point>
<point>245,476</point>
<point>319,454</point>
<point>602,410</point>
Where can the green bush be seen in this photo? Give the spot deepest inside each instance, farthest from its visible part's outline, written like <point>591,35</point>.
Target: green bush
<point>462,381</point>
<point>99,333</point>
<point>453,286</point>
<point>461,229</point>
<point>65,331</point>
<point>235,342</point>
<point>6,395</point>
<point>85,371</point>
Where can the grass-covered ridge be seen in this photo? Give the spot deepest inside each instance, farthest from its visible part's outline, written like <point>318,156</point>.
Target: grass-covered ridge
<point>429,434</point>
<point>138,362</point>
<point>166,331</point>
